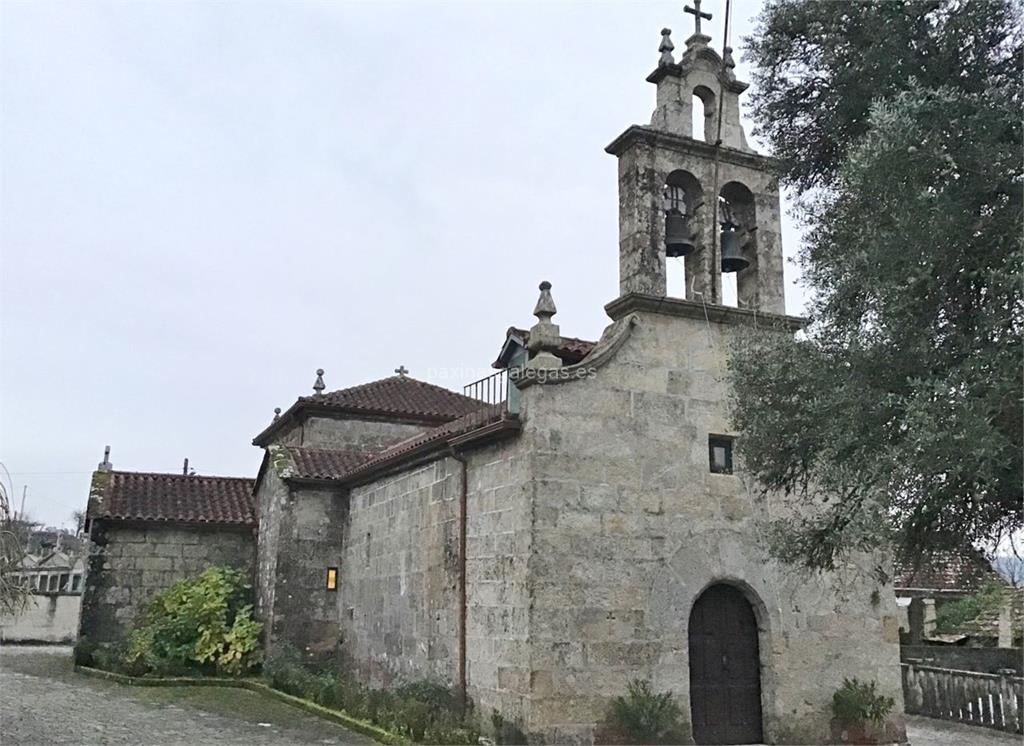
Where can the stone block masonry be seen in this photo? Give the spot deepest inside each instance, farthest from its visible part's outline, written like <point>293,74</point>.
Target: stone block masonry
<point>129,564</point>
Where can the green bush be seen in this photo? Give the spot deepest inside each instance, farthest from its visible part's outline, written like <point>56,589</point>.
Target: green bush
<point>424,711</point>
<point>506,733</point>
<point>857,704</point>
<point>643,717</point>
<point>201,624</point>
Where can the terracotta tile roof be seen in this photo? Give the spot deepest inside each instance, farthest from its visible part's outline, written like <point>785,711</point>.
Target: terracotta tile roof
<point>141,496</point>
<point>946,571</point>
<point>318,463</point>
<point>570,350</point>
<point>435,438</point>
<point>399,397</point>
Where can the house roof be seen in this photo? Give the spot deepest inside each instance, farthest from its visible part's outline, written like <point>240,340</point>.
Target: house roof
<point>318,463</point>
<point>343,466</point>
<point>946,572</point>
<point>570,349</point>
<point>398,397</point>
<point>171,498</point>
<point>986,624</point>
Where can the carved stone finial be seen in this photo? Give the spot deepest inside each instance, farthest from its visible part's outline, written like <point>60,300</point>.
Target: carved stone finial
<point>727,61</point>
<point>318,387</point>
<point>545,337</point>
<point>545,307</point>
<point>277,413</point>
<point>402,371</point>
<point>666,48</point>
<point>105,464</point>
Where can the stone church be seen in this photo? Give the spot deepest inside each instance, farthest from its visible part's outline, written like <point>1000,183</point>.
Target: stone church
<point>575,521</point>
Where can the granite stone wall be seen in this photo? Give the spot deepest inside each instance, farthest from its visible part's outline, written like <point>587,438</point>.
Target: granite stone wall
<point>302,611</point>
<point>398,600</point>
<point>631,526</point>
<point>300,535</point>
<point>128,564</point>
<point>345,433</point>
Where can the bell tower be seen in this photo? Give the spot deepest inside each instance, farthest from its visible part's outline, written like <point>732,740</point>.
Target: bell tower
<point>704,196</point>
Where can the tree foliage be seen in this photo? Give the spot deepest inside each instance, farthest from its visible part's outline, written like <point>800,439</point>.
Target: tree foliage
<point>14,595</point>
<point>818,66</point>
<point>898,412</point>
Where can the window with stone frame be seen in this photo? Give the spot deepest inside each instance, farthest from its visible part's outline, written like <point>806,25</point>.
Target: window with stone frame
<point>76,582</point>
<point>720,454</point>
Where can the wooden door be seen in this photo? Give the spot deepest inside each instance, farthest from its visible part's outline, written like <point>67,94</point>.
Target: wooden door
<point>725,668</point>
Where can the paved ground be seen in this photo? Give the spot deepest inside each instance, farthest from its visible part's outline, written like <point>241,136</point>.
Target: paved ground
<point>42,701</point>
<point>928,732</point>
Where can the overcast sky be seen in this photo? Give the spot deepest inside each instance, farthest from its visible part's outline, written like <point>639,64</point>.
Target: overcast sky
<point>201,203</point>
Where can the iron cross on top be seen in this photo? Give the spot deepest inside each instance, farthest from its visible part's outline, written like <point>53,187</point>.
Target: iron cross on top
<point>697,15</point>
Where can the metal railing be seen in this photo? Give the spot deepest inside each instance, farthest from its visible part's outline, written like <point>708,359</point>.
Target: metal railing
<point>991,700</point>
<point>492,389</point>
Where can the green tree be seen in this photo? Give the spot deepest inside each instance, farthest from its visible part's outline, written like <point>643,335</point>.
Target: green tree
<point>898,412</point>
<point>818,66</point>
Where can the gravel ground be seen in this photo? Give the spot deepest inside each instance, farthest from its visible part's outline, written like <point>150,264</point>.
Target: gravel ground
<point>42,701</point>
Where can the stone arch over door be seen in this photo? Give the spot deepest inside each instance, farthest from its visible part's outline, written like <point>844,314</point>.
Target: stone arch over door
<point>725,667</point>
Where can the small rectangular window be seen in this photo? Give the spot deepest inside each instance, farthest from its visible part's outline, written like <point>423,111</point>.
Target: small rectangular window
<point>53,583</point>
<point>720,454</point>
<point>76,582</point>
<point>332,578</point>
<point>63,585</point>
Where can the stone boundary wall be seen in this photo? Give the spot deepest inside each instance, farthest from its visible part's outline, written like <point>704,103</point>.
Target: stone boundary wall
<point>981,660</point>
<point>49,617</point>
<point>129,564</point>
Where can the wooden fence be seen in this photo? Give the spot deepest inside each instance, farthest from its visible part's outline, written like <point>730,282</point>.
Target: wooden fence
<point>988,699</point>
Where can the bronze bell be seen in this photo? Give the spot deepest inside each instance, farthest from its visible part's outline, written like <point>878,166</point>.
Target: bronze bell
<point>677,235</point>
<point>732,252</point>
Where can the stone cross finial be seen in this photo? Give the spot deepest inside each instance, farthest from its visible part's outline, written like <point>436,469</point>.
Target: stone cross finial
<point>402,371</point>
<point>666,48</point>
<point>318,387</point>
<point>105,464</point>
<point>277,413</point>
<point>697,15</point>
<point>545,337</point>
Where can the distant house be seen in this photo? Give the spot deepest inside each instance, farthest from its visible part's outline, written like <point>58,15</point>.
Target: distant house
<point>52,572</point>
<point>51,615</point>
<point>924,587</point>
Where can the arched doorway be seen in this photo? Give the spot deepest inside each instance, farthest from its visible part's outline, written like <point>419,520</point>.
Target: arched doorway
<point>725,668</point>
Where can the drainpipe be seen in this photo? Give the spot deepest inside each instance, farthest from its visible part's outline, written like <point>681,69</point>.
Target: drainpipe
<point>463,499</point>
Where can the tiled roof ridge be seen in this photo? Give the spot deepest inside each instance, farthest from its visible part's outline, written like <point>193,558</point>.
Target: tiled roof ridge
<point>396,379</point>
<point>161,497</point>
<point>398,396</point>
<point>489,414</point>
<point>178,475</point>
